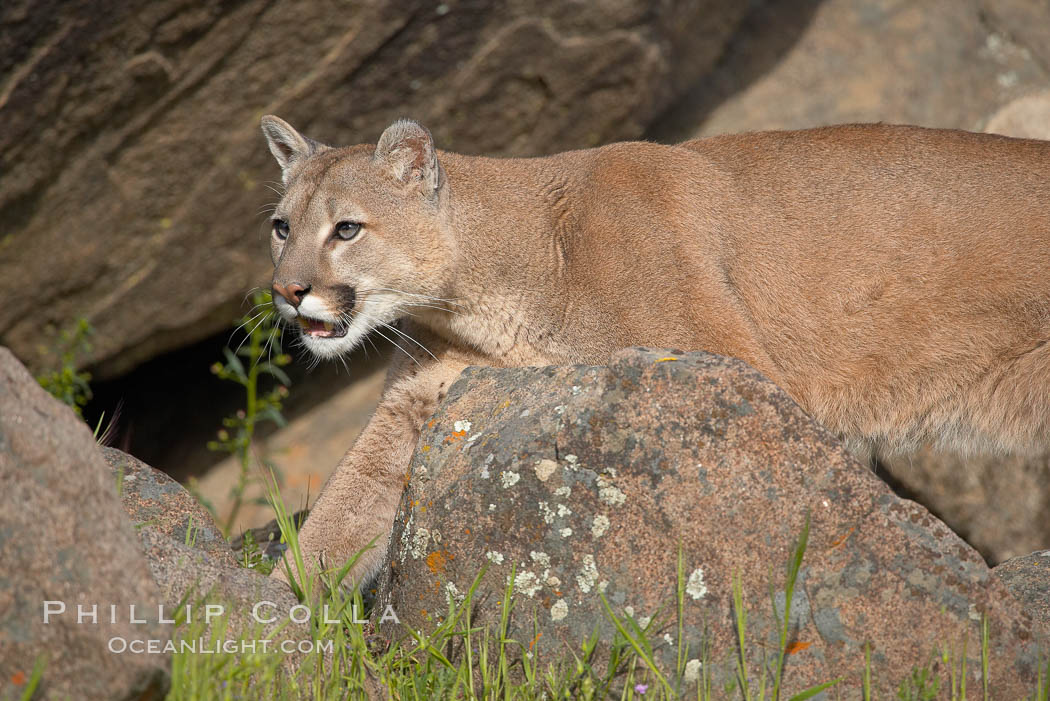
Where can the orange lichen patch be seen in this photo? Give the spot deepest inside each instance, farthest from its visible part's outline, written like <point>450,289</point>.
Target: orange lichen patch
<point>437,560</point>
<point>665,360</point>
<point>19,678</point>
<point>532,643</point>
<point>405,479</point>
<point>797,646</point>
<point>842,539</point>
<point>430,424</point>
<point>456,435</point>
<point>467,531</point>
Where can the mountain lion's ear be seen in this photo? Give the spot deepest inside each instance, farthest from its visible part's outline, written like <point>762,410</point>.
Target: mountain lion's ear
<point>288,146</point>
<point>407,149</point>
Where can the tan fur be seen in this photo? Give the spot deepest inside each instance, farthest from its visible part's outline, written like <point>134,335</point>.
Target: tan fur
<point>892,279</point>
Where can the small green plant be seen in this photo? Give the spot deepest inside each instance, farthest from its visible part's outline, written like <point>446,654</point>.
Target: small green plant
<point>922,685</point>
<point>193,532</point>
<point>262,339</point>
<point>66,383</point>
<point>253,557</point>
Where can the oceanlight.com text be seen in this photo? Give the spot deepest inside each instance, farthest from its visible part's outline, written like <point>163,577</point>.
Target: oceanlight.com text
<point>118,645</point>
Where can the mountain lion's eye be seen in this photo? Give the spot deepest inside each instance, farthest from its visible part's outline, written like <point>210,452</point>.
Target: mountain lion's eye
<point>347,230</point>
<point>280,229</point>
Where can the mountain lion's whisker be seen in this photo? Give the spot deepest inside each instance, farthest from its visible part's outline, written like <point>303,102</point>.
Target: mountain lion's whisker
<point>252,291</point>
<point>437,307</point>
<point>431,306</point>
<point>270,340</point>
<point>398,332</point>
<point>243,324</point>
<point>430,298</point>
<point>342,359</point>
<point>390,340</point>
<point>248,335</point>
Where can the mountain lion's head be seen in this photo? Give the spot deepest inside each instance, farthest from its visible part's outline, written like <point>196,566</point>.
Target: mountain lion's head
<point>359,236</point>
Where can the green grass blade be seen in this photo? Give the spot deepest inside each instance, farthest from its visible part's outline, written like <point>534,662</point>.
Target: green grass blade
<point>813,691</point>
<point>639,648</point>
<point>741,630</point>
<point>34,678</point>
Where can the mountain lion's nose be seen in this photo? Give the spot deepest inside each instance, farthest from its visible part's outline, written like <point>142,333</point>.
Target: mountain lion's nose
<point>293,292</point>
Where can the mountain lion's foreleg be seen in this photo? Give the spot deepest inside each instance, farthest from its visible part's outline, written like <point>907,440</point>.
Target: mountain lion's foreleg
<point>360,500</point>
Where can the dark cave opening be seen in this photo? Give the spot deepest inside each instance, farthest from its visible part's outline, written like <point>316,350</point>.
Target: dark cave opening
<point>168,408</point>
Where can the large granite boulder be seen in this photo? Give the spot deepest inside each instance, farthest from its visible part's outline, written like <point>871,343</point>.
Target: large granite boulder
<point>64,539</point>
<point>588,480</point>
<point>134,127</point>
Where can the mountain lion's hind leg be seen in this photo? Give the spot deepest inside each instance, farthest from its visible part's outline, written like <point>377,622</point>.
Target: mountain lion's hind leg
<point>360,499</point>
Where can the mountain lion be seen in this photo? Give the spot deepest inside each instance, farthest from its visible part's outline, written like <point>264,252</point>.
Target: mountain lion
<point>894,280</point>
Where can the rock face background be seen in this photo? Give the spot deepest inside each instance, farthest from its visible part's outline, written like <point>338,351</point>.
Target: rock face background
<point>586,479</point>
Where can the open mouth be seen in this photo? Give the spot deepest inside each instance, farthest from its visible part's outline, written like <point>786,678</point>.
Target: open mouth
<point>322,329</point>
